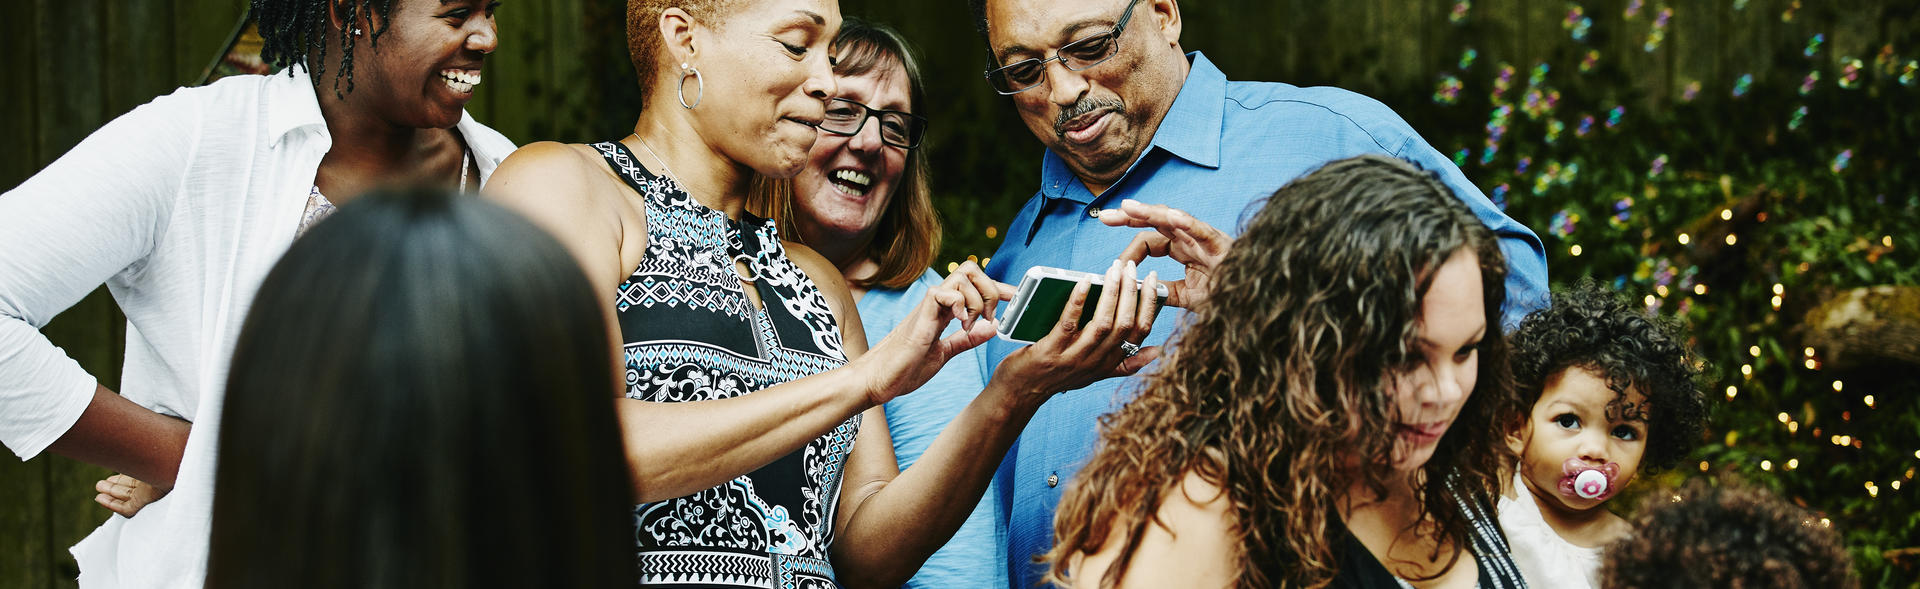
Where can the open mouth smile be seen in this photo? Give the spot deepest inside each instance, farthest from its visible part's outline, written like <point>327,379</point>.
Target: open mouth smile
<point>850,181</point>
<point>460,81</point>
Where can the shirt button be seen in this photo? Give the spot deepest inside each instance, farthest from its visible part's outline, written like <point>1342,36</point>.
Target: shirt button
<point>1093,212</point>
<point>1053,480</point>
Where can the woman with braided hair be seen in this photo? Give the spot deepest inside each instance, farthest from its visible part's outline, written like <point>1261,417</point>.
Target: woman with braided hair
<point>180,207</point>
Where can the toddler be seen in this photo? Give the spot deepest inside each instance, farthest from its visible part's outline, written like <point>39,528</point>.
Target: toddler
<point>1612,392</point>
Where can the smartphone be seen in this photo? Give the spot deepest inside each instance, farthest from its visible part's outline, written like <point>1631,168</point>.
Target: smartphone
<point>1042,297</point>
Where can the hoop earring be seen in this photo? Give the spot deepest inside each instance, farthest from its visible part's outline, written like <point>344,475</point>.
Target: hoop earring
<point>700,86</point>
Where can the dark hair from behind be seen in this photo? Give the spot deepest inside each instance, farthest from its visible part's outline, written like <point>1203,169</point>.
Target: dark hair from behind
<point>295,32</point>
<point>422,396</point>
<point>1727,535</point>
<point>1594,328</point>
<point>1277,387</point>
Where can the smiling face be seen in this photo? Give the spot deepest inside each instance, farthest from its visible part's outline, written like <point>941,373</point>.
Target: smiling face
<point>427,62</point>
<point>1097,120</point>
<point>850,180</point>
<point>766,74</point>
<point>1429,393</point>
<point>1580,421</point>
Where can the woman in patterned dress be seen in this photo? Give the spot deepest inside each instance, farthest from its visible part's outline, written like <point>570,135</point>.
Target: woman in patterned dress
<point>753,420</point>
<point>1332,416</point>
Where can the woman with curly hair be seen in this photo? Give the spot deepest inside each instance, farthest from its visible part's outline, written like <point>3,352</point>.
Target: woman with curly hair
<point>1612,392</point>
<point>1331,415</point>
<point>179,208</point>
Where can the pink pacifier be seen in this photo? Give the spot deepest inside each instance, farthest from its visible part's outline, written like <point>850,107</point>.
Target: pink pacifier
<point>1586,482</point>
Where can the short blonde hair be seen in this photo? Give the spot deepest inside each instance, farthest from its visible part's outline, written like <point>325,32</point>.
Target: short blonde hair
<point>643,31</point>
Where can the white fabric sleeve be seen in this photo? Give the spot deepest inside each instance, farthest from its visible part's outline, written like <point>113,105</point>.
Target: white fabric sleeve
<point>93,214</point>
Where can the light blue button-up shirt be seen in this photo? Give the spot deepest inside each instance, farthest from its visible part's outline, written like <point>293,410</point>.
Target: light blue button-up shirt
<point>1222,148</point>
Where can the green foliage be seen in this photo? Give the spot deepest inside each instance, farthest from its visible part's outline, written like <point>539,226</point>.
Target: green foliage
<point>1710,203</point>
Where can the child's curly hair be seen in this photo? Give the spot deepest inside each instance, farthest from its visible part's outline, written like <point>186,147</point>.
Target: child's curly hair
<point>1727,536</point>
<point>1591,327</point>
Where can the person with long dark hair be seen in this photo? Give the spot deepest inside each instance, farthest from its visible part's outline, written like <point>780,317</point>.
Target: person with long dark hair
<point>420,397</point>
<point>1333,415</point>
<point>180,207</point>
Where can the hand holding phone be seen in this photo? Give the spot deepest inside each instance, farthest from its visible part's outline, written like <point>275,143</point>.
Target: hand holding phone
<point>1042,297</point>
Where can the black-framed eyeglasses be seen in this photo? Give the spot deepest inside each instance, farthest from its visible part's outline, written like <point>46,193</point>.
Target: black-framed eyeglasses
<point>1079,55</point>
<point>898,129</point>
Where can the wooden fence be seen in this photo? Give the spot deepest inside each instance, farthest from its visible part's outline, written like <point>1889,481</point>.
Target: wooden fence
<point>561,74</point>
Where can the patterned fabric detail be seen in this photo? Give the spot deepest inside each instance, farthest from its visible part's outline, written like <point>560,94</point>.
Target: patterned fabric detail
<point>1489,549</point>
<point>691,333</point>
<point>697,568</point>
<point>318,207</point>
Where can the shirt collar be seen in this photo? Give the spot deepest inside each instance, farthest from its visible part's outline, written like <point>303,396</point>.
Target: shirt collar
<point>1190,131</point>
<point>293,104</point>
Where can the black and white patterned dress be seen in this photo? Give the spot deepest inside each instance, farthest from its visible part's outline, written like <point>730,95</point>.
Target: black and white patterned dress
<point>691,334</point>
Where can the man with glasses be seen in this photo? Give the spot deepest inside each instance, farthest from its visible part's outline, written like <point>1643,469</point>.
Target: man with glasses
<point>1126,114</point>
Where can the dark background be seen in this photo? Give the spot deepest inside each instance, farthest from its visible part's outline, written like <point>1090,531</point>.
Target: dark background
<point>1692,143</point>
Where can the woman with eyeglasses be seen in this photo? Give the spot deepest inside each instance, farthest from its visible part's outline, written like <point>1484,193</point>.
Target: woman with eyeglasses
<point>752,418</point>
<point>865,203</point>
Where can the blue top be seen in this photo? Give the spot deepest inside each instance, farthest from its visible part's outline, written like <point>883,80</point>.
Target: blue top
<point>977,554</point>
<point>1222,148</point>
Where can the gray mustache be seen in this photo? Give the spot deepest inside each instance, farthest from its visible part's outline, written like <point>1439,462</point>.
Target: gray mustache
<point>1082,107</point>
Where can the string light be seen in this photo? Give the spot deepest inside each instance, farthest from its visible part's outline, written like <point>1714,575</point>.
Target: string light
<point>1766,465</point>
<point>1784,418</point>
<point>1886,240</point>
<point>1703,466</point>
<point>1895,485</point>
<point>1869,400</point>
<point>1732,239</point>
<point>1836,386</point>
<point>1684,238</point>
<point>1826,523</point>
<point>1754,350</point>
<point>1726,214</point>
<point>1662,289</point>
<point>1793,463</point>
<point>1699,289</point>
<point>1793,427</point>
<point>1812,365</point>
<point>1776,302</point>
<point>1809,352</point>
<point>1779,289</point>
<point>1575,250</point>
<point>1733,391</point>
<point>1746,370</point>
<point>1650,300</point>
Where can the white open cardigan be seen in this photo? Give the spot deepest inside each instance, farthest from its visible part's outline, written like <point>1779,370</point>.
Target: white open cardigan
<point>180,207</point>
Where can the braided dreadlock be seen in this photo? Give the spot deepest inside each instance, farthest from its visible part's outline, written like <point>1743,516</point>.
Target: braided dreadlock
<point>292,31</point>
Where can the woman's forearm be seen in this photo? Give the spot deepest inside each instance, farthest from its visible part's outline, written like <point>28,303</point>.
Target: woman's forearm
<point>898,524</point>
<point>677,449</point>
<point>123,436</point>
